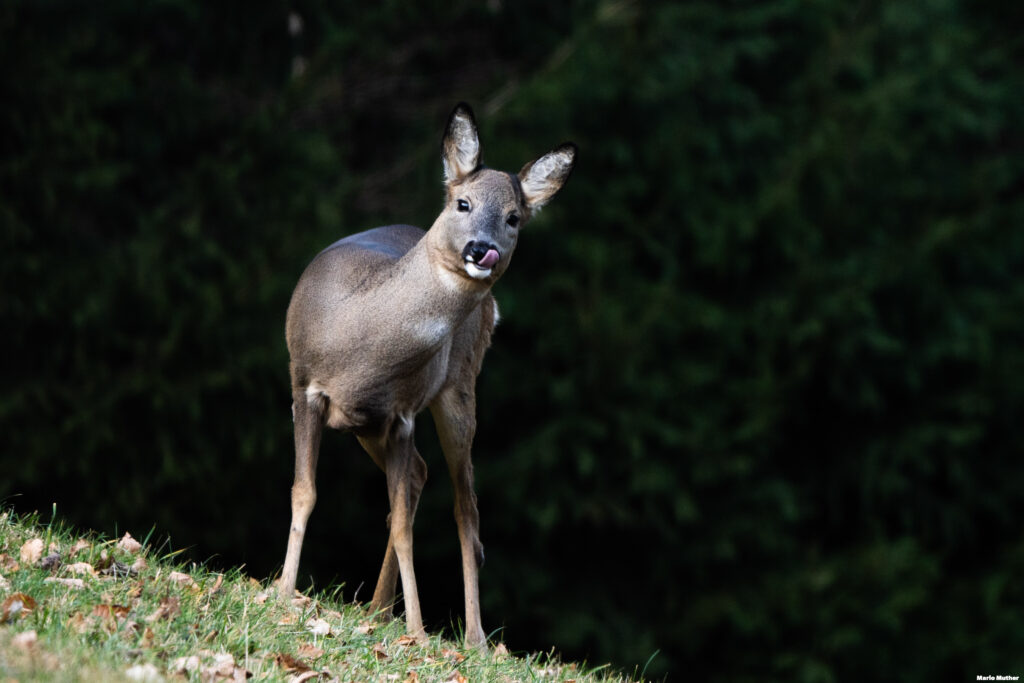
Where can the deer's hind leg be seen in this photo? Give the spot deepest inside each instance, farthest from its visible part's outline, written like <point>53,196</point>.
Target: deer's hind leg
<point>309,422</point>
<point>384,594</point>
<point>406,473</point>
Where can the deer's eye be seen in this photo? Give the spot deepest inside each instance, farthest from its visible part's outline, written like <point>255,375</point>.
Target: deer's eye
<point>513,220</point>
<point>462,205</point>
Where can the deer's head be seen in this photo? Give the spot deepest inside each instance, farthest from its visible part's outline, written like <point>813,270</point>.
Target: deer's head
<point>485,209</point>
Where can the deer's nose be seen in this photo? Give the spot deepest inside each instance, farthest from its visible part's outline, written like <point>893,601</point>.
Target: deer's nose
<point>483,254</point>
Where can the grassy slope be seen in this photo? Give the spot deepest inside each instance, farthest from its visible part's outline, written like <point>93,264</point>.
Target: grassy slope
<point>162,621</point>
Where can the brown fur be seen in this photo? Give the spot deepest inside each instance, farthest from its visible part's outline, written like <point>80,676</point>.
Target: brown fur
<point>387,322</point>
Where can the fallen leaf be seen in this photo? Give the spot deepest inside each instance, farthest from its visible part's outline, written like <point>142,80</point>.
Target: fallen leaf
<point>70,583</point>
<point>80,568</point>
<point>413,677</point>
<point>16,605</point>
<point>168,608</point>
<point>456,677</point>
<point>148,673</point>
<point>453,654</point>
<point>310,651</point>
<point>184,664</point>
<point>32,551</point>
<point>378,649</point>
<point>80,545</point>
<point>301,600</point>
<point>366,628</point>
<point>291,664</point>
<point>254,583</point>
<point>139,564</point>
<point>500,650</point>
<point>129,544</point>
<point>148,638</point>
<point>216,585</point>
<point>111,611</point>
<point>287,620</point>
<point>223,665</point>
<point>304,677</point>
<point>26,640</point>
<point>261,597</point>
<point>181,579</point>
<point>405,641</point>
<point>8,563</point>
<point>318,627</point>
<point>79,623</point>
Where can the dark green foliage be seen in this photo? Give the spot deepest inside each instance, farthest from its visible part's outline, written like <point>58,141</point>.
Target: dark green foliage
<point>756,395</point>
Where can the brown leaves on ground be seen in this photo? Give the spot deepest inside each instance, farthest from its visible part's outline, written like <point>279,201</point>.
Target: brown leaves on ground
<point>169,607</point>
<point>15,606</point>
<point>211,666</point>
<point>182,579</point>
<point>8,563</point>
<point>129,544</point>
<point>310,651</point>
<point>32,551</point>
<point>290,664</point>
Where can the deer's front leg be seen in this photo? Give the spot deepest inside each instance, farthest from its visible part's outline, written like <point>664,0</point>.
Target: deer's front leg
<point>454,414</point>
<point>309,421</point>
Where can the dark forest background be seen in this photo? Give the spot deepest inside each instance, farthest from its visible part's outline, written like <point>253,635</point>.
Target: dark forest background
<point>756,398</point>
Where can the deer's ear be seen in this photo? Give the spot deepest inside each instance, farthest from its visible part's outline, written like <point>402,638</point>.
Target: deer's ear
<point>460,149</point>
<point>542,178</point>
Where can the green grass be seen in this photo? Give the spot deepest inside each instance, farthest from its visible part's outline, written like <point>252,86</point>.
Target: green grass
<point>161,620</point>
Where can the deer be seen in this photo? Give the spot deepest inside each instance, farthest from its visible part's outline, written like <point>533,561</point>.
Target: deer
<point>387,322</point>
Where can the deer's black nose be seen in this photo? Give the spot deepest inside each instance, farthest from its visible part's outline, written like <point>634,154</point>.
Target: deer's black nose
<point>478,251</point>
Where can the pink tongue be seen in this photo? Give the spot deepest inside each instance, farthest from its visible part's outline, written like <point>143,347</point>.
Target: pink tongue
<point>489,259</point>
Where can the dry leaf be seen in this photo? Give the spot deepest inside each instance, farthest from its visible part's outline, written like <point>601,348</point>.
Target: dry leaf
<point>310,651</point>
<point>183,665</point>
<point>261,597</point>
<point>453,654</point>
<point>291,664</point>
<point>254,583</point>
<point>181,579</point>
<point>129,544</point>
<point>8,563</point>
<point>304,677</point>
<point>80,568</point>
<point>80,545</point>
<point>79,623</point>
<point>169,608</point>
<point>139,564</point>
<point>301,600</point>
<point>456,677</point>
<point>500,650</point>
<point>216,585</point>
<point>287,620</point>
<point>366,628</point>
<point>406,640</point>
<point>109,611</point>
<point>32,551</point>
<point>16,605</point>
<point>26,640</point>
<point>148,638</point>
<point>378,649</point>
<point>223,665</point>
<point>413,677</point>
<point>318,627</point>
<point>148,673</point>
<point>70,583</point>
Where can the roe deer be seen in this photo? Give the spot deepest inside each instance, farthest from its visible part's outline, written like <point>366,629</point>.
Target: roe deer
<point>387,322</point>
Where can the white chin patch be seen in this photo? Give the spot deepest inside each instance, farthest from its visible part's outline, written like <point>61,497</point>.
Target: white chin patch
<point>476,271</point>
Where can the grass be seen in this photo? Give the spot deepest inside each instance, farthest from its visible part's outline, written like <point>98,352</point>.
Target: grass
<point>76,608</point>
